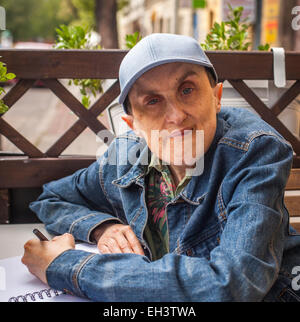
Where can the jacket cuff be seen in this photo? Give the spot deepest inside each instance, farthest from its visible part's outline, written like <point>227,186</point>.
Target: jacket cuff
<point>63,271</point>
<point>83,226</point>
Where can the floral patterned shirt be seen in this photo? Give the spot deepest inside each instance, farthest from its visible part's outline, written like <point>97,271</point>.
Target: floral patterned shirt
<point>160,191</point>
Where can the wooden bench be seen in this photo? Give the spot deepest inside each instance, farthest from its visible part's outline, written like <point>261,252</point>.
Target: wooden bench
<point>21,176</point>
<point>8,213</point>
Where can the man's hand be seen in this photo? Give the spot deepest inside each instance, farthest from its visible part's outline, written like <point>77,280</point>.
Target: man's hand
<point>116,238</point>
<point>38,255</point>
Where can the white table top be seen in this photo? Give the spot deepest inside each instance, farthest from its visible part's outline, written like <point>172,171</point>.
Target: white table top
<point>14,236</point>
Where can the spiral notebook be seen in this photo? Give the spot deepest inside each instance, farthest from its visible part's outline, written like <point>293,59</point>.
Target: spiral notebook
<point>18,285</point>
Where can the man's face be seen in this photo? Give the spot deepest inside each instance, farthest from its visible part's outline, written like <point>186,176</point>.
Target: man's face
<point>170,104</point>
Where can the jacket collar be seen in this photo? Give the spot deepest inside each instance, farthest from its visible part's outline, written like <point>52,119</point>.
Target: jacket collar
<point>136,172</point>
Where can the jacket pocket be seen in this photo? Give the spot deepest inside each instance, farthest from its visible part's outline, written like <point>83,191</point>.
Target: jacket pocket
<point>204,244</point>
<point>282,291</point>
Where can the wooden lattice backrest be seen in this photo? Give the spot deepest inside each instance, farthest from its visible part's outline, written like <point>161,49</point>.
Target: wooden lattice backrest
<point>35,167</point>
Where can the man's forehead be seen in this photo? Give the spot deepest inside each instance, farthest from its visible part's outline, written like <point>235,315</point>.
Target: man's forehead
<point>176,71</point>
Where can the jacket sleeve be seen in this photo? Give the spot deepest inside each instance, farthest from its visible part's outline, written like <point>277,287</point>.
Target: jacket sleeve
<point>243,267</point>
<point>75,204</point>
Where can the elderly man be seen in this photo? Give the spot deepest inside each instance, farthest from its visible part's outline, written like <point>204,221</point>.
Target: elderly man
<point>186,207</point>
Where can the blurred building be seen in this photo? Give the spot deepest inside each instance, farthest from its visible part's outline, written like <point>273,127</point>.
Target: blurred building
<point>187,17</point>
<point>277,23</point>
<point>131,19</point>
<point>170,16</point>
<point>296,25</point>
<point>271,20</point>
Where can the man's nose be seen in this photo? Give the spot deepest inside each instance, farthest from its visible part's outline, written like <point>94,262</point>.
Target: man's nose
<point>175,113</point>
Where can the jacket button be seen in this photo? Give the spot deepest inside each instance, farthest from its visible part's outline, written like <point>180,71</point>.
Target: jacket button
<point>189,252</point>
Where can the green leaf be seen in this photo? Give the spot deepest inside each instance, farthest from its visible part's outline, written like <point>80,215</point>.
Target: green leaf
<point>3,107</point>
<point>85,101</point>
<point>231,34</point>
<point>76,37</point>
<point>132,39</point>
<point>3,71</point>
<point>10,76</point>
<point>265,47</point>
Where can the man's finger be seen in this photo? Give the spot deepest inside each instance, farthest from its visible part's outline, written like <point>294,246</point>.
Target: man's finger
<point>103,249</point>
<point>124,244</point>
<point>65,238</point>
<point>134,242</point>
<point>112,245</point>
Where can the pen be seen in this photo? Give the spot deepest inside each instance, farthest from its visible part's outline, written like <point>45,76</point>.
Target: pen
<point>39,235</point>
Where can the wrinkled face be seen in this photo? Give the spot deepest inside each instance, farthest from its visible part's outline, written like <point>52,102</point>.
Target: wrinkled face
<point>172,106</point>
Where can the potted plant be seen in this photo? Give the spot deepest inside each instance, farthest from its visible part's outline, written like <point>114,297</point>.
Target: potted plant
<point>77,37</point>
<point>4,77</point>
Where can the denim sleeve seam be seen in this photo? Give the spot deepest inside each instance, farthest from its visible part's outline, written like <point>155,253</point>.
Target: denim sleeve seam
<point>235,144</point>
<point>244,146</point>
<point>101,181</point>
<point>100,223</point>
<point>272,243</point>
<point>221,204</point>
<point>271,134</point>
<point>79,220</point>
<point>271,248</point>
<point>77,272</point>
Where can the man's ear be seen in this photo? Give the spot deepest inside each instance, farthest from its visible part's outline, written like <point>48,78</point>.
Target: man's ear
<point>218,90</point>
<point>128,119</point>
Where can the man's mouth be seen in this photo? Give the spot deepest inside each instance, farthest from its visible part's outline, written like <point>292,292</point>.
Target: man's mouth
<point>181,132</point>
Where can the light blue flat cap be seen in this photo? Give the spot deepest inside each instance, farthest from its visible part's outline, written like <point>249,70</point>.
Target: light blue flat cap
<point>155,50</point>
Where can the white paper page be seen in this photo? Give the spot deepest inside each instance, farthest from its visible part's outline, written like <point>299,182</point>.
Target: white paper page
<point>87,247</point>
<point>17,283</point>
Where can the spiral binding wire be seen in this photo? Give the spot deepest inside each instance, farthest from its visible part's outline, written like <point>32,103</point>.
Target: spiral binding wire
<point>46,293</point>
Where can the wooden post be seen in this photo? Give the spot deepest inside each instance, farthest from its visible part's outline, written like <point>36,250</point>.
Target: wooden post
<point>4,206</point>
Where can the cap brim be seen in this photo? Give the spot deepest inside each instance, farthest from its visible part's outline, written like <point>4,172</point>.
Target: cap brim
<point>143,70</point>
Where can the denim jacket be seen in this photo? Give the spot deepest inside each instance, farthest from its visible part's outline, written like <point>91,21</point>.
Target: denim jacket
<point>229,232</point>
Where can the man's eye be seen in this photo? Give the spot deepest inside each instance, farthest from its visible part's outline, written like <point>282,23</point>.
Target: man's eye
<point>153,101</point>
<point>187,91</point>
